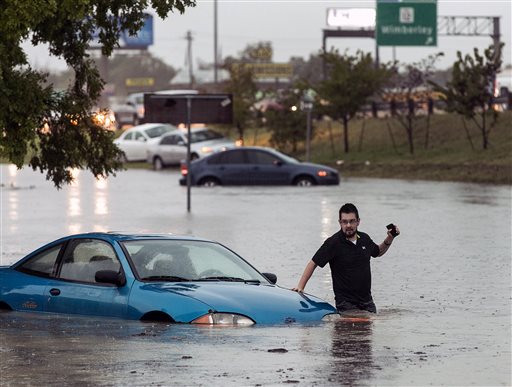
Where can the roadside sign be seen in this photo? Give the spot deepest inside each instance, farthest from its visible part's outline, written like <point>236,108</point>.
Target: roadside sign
<point>267,70</point>
<point>406,23</point>
<point>207,108</point>
<point>138,82</point>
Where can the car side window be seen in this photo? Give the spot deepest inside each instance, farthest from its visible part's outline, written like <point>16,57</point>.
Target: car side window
<point>257,157</point>
<point>43,263</point>
<point>232,157</point>
<point>129,136</point>
<point>170,140</point>
<point>138,136</point>
<point>84,257</point>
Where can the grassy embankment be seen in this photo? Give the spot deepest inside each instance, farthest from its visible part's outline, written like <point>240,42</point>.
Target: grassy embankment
<point>379,148</point>
<point>449,156</point>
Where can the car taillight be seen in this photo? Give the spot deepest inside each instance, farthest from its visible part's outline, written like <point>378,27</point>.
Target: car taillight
<point>322,173</point>
<point>184,170</point>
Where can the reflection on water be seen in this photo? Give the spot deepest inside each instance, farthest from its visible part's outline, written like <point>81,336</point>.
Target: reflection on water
<point>351,351</point>
<point>100,196</point>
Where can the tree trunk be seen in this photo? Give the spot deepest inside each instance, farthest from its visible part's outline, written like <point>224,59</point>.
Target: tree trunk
<point>331,138</point>
<point>410,134</point>
<point>484,130</point>
<point>345,133</point>
<point>361,136</point>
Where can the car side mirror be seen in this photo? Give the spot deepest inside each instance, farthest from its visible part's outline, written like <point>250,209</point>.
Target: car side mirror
<point>141,139</point>
<point>271,277</point>
<point>277,163</point>
<point>181,143</point>
<point>110,277</point>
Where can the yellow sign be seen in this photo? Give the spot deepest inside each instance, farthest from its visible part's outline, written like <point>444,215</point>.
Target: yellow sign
<point>130,82</point>
<point>267,70</point>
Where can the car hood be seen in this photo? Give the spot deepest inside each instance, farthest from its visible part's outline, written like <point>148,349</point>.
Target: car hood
<point>264,303</point>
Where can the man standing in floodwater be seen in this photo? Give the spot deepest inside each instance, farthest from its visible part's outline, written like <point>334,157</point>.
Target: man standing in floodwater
<point>348,253</point>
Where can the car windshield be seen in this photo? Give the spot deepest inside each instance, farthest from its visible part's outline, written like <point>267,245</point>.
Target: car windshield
<point>205,135</point>
<point>184,260</point>
<point>157,131</point>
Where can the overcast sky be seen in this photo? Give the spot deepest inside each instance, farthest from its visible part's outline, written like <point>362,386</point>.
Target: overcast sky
<point>295,29</point>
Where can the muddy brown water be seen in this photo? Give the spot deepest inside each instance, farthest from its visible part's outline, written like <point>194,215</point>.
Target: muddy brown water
<point>443,290</point>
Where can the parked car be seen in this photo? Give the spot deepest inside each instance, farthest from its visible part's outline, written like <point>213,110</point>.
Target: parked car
<point>134,141</point>
<point>171,149</point>
<point>257,166</point>
<point>164,278</point>
<point>125,115</point>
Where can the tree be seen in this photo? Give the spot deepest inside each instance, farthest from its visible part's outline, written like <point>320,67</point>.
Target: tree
<point>56,131</point>
<point>242,81</point>
<point>470,91</point>
<point>241,85</point>
<point>350,82</point>
<point>287,125</point>
<point>409,85</point>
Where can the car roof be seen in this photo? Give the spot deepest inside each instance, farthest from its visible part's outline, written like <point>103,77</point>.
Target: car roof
<point>125,236</point>
<point>145,126</point>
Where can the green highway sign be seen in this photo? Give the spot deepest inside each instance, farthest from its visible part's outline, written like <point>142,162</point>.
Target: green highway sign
<point>406,23</point>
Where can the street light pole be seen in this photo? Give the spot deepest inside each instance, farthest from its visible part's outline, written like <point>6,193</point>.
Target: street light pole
<point>307,105</point>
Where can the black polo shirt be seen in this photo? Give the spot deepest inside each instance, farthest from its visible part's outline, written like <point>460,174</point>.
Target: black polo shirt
<point>350,266</point>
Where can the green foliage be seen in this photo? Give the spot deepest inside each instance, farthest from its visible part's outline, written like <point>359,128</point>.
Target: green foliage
<point>470,91</point>
<point>287,125</point>
<point>241,85</point>
<point>351,81</point>
<point>70,139</point>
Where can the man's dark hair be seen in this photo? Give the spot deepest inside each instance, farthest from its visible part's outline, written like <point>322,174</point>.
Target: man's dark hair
<point>349,208</point>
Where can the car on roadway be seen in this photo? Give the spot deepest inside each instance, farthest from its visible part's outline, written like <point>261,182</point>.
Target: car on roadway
<point>257,166</point>
<point>134,141</point>
<point>163,278</point>
<point>171,148</point>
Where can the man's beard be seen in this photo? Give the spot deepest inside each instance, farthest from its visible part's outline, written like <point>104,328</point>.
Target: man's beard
<point>350,233</point>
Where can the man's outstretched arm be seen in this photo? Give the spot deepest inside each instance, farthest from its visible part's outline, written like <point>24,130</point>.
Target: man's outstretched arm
<point>308,272</point>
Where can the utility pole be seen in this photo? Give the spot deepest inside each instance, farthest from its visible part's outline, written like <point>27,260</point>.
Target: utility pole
<point>215,64</point>
<point>189,39</point>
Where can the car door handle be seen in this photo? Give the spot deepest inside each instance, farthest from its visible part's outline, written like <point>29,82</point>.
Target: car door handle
<point>54,292</point>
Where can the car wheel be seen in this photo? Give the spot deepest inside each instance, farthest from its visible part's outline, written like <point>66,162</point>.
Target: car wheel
<point>194,156</point>
<point>209,182</point>
<point>158,164</point>
<point>304,181</point>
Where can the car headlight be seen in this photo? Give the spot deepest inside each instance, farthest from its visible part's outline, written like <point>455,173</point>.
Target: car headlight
<point>224,319</point>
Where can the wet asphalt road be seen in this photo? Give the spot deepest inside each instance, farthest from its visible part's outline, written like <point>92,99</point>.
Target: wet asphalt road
<point>443,290</point>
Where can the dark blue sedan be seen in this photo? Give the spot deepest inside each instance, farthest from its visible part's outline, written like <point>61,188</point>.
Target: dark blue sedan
<point>257,166</point>
<point>151,278</point>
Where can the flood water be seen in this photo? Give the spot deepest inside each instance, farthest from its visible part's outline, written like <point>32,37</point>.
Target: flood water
<point>443,290</point>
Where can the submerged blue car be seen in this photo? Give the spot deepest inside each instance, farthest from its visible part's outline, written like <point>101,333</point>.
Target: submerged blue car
<point>162,278</point>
